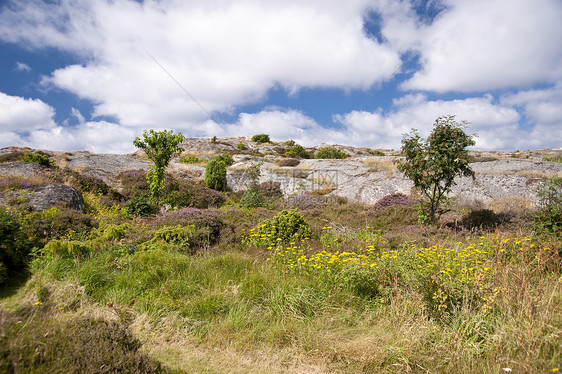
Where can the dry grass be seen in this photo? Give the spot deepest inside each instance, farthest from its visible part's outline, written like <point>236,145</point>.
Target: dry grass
<point>382,165</point>
<point>509,204</point>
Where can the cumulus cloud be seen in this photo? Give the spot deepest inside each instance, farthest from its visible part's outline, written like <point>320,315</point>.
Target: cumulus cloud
<point>224,55</point>
<point>17,113</point>
<point>478,45</point>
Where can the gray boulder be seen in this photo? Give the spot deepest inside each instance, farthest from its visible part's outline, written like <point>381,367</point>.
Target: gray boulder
<point>44,197</point>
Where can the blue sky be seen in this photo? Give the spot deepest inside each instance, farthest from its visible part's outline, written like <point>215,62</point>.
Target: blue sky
<point>93,74</point>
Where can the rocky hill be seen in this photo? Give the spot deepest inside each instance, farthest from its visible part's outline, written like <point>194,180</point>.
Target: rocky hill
<point>366,176</point>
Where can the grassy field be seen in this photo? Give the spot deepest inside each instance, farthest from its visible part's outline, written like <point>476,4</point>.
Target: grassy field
<point>358,289</point>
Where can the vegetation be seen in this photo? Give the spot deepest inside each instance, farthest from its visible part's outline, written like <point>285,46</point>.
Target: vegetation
<point>261,138</point>
<point>37,158</point>
<point>160,147</point>
<point>215,174</point>
<point>330,152</point>
<point>297,151</point>
<point>548,218</point>
<point>434,163</point>
<point>191,159</point>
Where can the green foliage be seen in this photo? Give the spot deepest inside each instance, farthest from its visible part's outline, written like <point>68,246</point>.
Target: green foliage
<point>289,225</point>
<point>548,218</point>
<point>261,138</point>
<point>375,152</point>
<point>191,159</point>
<point>14,245</point>
<point>433,164</point>
<point>240,146</point>
<point>297,151</point>
<point>159,146</point>
<point>65,249</point>
<point>141,205</point>
<point>290,143</point>
<point>37,158</point>
<point>215,174</point>
<point>253,196</point>
<point>553,159</point>
<point>330,152</point>
<point>226,158</point>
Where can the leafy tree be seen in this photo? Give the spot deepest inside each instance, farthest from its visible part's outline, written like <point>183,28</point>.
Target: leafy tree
<point>434,163</point>
<point>159,146</point>
<point>548,218</point>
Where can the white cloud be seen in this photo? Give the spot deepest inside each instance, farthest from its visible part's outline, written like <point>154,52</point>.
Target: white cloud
<point>99,137</point>
<point>76,114</point>
<point>478,45</point>
<point>225,53</point>
<point>18,113</point>
<point>21,66</point>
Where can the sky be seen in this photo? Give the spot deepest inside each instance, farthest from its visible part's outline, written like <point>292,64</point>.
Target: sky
<point>93,74</point>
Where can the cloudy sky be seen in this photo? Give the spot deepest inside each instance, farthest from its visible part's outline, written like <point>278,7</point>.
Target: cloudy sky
<point>93,74</point>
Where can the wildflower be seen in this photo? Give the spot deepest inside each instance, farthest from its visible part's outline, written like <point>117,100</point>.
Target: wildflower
<point>38,303</point>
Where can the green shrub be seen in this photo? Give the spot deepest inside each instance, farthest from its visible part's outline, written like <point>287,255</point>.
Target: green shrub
<point>480,219</point>
<point>553,159</point>
<point>14,245</point>
<point>288,225</point>
<point>215,174</point>
<point>330,152</point>
<point>290,143</point>
<point>141,205</point>
<point>37,158</point>
<point>375,152</point>
<point>548,218</point>
<point>226,158</point>
<point>261,138</point>
<point>191,159</point>
<point>241,146</point>
<point>65,249</point>
<point>297,151</point>
<point>252,198</point>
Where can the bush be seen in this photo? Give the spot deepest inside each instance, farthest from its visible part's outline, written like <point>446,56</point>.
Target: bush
<point>290,143</point>
<point>215,174</point>
<point>190,159</point>
<point>14,245</point>
<point>288,225</point>
<point>240,146</point>
<point>548,218</point>
<point>37,158</point>
<point>261,138</point>
<point>330,152</point>
<point>141,205</point>
<point>252,198</point>
<point>184,193</point>
<point>390,200</point>
<point>297,151</point>
<point>226,158</point>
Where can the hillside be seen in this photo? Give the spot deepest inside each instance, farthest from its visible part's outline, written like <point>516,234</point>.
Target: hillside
<point>321,267</point>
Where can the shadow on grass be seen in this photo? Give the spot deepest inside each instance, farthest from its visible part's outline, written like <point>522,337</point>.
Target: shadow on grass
<point>14,284</point>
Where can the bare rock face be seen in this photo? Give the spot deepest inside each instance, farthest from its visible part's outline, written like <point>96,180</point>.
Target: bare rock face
<point>44,197</point>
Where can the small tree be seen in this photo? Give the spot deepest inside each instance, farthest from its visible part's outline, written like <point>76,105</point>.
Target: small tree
<point>159,146</point>
<point>434,163</point>
<point>215,174</point>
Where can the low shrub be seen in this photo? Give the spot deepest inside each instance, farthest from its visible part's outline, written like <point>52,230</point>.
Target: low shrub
<point>375,152</point>
<point>191,159</point>
<point>548,217</point>
<point>390,200</point>
<point>240,146</point>
<point>261,138</point>
<point>226,158</point>
<point>480,219</point>
<point>330,153</point>
<point>141,205</point>
<point>297,151</point>
<point>87,184</point>
<point>288,225</point>
<point>43,345</point>
<point>290,143</point>
<point>14,246</point>
<point>11,157</point>
<point>215,174</point>
<point>37,158</point>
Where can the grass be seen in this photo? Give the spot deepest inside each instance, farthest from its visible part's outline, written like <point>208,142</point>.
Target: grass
<point>370,291</point>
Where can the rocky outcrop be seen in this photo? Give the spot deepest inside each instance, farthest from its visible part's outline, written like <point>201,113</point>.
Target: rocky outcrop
<point>363,177</point>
